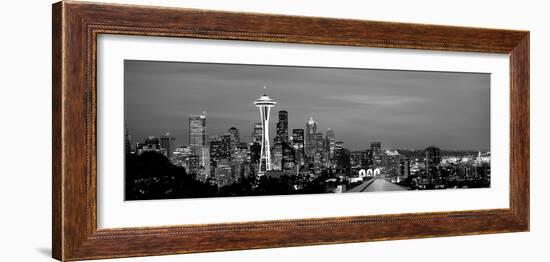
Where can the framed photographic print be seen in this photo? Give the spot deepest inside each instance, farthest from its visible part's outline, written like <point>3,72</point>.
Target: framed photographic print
<point>182,130</point>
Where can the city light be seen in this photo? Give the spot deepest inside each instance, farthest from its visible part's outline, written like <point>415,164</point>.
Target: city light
<point>305,160</point>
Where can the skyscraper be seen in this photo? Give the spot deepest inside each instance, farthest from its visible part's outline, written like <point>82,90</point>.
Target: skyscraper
<point>234,138</point>
<point>367,161</point>
<point>204,168</point>
<point>257,133</point>
<point>330,143</point>
<point>197,137</point>
<point>282,128</point>
<point>277,157</point>
<point>396,165</point>
<point>289,157</point>
<point>311,130</point>
<point>167,144</point>
<point>298,144</point>
<point>319,156</point>
<point>255,150</point>
<point>220,148</point>
<point>376,150</point>
<point>197,133</point>
<point>320,147</point>
<point>264,103</point>
<point>342,158</point>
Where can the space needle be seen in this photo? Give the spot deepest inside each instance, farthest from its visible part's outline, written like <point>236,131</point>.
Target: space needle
<point>265,104</point>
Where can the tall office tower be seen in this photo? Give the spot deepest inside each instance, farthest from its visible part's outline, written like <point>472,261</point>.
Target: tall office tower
<point>193,164</point>
<point>239,158</point>
<point>264,103</point>
<point>393,164</point>
<point>197,133</point>
<point>342,158</point>
<point>311,130</point>
<point>197,137</point>
<point>366,160</point>
<point>255,149</point>
<point>219,148</point>
<point>282,128</point>
<point>167,144</point>
<point>235,138</point>
<point>226,145</point>
<point>204,165</point>
<point>277,158</point>
<point>320,147</point>
<point>257,133</point>
<point>319,157</point>
<point>216,150</point>
<point>289,157</point>
<point>376,149</point>
<point>356,159</point>
<point>181,155</point>
<point>240,155</point>
<point>223,172</point>
<point>433,158</point>
<point>330,143</point>
<point>298,144</point>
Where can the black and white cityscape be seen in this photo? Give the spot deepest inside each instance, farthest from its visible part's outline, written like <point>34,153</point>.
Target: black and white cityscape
<point>197,130</point>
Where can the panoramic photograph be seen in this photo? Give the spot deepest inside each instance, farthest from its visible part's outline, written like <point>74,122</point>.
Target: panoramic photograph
<point>200,130</point>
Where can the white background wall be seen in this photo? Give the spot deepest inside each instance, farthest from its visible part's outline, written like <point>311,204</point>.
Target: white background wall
<point>25,130</point>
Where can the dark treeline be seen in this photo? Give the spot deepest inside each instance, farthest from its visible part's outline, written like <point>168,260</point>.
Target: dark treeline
<point>151,175</point>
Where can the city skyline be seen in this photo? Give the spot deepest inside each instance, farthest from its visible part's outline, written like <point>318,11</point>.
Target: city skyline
<point>142,101</point>
<point>274,151</point>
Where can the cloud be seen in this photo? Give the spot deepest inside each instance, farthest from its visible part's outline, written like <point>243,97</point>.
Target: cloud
<point>402,108</point>
<point>377,100</point>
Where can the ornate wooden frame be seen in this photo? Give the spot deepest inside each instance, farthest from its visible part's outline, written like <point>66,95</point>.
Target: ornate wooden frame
<point>76,26</point>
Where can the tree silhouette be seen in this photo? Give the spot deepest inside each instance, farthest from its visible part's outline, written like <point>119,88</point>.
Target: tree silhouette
<point>151,175</point>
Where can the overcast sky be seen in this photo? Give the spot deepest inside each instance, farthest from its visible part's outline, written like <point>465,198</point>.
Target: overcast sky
<point>402,109</point>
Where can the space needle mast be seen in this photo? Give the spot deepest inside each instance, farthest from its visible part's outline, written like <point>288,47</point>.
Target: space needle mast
<point>264,103</point>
